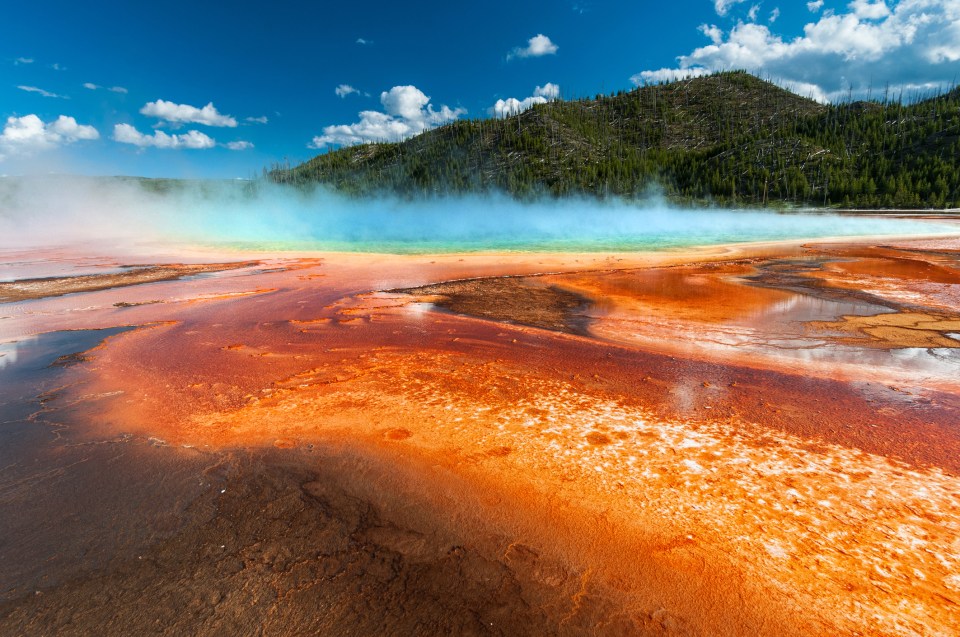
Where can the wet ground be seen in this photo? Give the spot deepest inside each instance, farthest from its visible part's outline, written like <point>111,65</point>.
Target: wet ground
<point>739,441</point>
<point>46,287</point>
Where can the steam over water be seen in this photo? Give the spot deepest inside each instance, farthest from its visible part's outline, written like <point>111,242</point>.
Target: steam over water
<point>64,210</point>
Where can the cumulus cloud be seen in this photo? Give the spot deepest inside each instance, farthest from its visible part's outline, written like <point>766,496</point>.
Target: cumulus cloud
<point>30,133</point>
<point>537,46</point>
<point>667,75</point>
<point>913,45</point>
<point>69,130</point>
<point>712,31</point>
<point>511,106</point>
<point>239,145</point>
<point>257,120</point>
<point>722,7</point>
<point>345,89</point>
<point>127,134</point>
<point>549,90</point>
<point>186,114</point>
<point>407,112</point>
<point>867,10</point>
<point>34,89</point>
<point>814,6</point>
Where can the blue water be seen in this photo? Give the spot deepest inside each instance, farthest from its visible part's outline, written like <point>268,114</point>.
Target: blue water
<point>31,366</point>
<point>265,216</point>
<point>468,226</point>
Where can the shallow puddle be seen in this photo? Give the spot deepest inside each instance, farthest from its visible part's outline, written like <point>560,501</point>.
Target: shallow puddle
<point>32,365</point>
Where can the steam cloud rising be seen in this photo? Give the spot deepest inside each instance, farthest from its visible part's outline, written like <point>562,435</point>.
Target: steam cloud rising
<point>73,210</point>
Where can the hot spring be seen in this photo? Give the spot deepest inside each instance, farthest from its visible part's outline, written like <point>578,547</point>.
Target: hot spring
<point>260,216</point>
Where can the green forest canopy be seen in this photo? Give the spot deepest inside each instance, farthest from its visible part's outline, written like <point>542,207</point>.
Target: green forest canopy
<point>729,138</point>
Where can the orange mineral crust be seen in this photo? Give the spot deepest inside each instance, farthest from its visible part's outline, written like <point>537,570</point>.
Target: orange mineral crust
<point>654,444</point>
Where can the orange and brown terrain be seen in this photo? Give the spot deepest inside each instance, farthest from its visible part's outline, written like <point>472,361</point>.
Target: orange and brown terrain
<point>753,440</point>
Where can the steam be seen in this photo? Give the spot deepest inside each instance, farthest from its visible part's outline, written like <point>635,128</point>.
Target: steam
<point>49,211</point>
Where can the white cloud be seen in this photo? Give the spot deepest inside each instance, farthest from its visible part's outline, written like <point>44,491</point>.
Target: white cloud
<point>406,102</point>
<point>723,6</point>
<point>774,15</point>
<point>867,10</point>
<point>30,133</point>
<point>549,90</point>
<point>407,112</point>
<point>712,31</point>
<point>239,145</point>
<point>537,46</point>
<point>22,60</point>
<point>34,89</point>
<point>70,131</point>
<point>914,44</point>
<point>96,87</point>
<point>257,120</point>
<point>362,42</point>
<point>668,75</point>
<point>814,6</point>
<point>511,106</point>
<point>57,67</point>
<point>127,134</point>
<point>345,89</point>
<point>184,113</point>
<point>752,13</point>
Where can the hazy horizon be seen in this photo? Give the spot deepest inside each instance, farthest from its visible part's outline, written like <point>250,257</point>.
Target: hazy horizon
<point>37,211</point>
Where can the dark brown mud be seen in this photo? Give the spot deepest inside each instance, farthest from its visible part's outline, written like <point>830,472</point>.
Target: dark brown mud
<point>519,300</point>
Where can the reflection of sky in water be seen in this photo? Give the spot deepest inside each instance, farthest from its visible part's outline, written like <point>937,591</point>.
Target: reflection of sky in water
<point>29,360</point>
<point>786,328</point>
<point>939,362</point>
<point>418,311</point>
<point>811,347</point>
<point>801,308</point>
<point>783,328</point>
<point>8,351</point>
<point>26,371</point>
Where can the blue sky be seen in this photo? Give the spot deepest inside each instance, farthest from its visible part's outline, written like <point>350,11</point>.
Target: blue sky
<point>221,89</point>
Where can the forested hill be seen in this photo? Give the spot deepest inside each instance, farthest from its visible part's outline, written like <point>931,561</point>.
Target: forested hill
<point>728,138</point>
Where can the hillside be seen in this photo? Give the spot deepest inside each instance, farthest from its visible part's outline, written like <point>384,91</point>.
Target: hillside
<point>728,138</point>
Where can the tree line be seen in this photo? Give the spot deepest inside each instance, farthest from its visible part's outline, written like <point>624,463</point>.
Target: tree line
<point>729,139</point>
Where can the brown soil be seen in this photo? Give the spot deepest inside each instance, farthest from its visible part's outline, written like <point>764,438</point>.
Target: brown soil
<point>285,545</point>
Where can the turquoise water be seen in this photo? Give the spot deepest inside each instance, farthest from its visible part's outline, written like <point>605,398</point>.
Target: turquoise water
<point>565,227</point>
<point>255,215</point>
